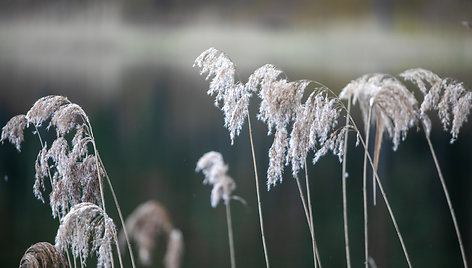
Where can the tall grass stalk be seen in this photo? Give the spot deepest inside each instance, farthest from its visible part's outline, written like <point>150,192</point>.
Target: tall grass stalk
<point>379,184</point>
<point>448,199</point>
<point>344,177</point>
<point>256,178</point>
<point>364,192</point>
<point>230,234</point>
<point>313,240</point>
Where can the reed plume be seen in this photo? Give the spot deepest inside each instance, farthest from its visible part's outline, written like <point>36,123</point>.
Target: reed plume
<point>43,254</point>
<point>314,128</point>
<point>87,222</point>
<point>73,166</point>
<point>448,96</point>
<point>234,95</point>
<point>211,164</point>
<point>13,130</point>
<point>175,249</point>
<point>145,225</point>
<point>279,101</point>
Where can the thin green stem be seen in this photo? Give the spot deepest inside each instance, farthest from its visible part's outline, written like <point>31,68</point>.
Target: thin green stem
<point>448,199</point>
<point>364,193</point>
<point>230,234</point>
<point>257,192</point>
<point>346,232</point>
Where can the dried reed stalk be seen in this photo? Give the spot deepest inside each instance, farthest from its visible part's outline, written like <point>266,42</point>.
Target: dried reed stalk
<point>213,167</point>
<point>448,97</point>
<point>235,98</point>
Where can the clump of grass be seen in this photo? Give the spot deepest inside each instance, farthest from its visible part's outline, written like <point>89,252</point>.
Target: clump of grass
<point>43,254</point>
<point>211,164</point>
<point>148,222</point>
<point>72,165</point>
<point>313,124</point>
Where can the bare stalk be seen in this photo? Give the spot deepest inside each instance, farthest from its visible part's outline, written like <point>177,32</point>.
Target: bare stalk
<point>257,192</point>
<point>118,251</point>
<point>313,241</point>
<point>230,234</point>
<point>119,211</point>
<point>346,232</point>
<point>307,215</point>
<point>364,191</point>
<point>379,183</point>
<point>448,199</point>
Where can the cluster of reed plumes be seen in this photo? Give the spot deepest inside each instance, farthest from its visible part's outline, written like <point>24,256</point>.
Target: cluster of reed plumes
<point>76,174</point>
<point>304,117</point>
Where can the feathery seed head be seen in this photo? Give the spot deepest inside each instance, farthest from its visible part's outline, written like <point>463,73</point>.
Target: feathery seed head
<point>212,166</point>
<point>13,130</point>
<point>448,96</point>
<point>234,95</point>
<point>393,106</point>
<point>145,224</point>
<point>175,249</point>
<point>87,222</point>
<point>42,254</point>
<point>44,108</point>
<point>66,118</point>
<point>313,130</point>
<point>280,100</point>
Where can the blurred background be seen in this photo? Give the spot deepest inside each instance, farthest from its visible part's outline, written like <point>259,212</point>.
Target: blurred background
<point>129,65</point>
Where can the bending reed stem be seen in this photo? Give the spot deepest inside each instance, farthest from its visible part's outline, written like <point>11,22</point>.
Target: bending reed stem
<point>346,232</point>
<point>313,240</point>
<point>364,192</point>
<point>257,192</point>
<point>230,234</point>
<point>379,184</point>
<point>448,199</point>
<point>119,211</point>
<point>307,215</point>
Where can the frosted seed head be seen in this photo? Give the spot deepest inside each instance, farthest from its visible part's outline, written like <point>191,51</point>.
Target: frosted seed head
<point>13,131</point>
<point>234,96</point>
<point>85,222</point>
<point>215,171</point>
<point>67,117</point>
<point>42,254</point>
<point>44,108</point>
